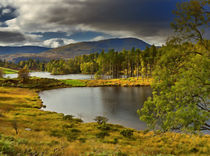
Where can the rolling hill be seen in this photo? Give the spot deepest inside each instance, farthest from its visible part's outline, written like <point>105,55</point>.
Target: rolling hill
<point>7,50</point>
<point>81,48</point>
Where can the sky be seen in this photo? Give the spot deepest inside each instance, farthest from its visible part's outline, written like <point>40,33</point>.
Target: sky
<point>54,23</point>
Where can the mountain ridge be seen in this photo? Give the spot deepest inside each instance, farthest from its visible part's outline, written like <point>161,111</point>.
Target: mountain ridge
<point>81,48</point>
<point>88,47</point>
<point>6,50</point>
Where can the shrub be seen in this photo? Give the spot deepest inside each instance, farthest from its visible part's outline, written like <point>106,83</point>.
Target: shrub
<point>15,126</point>
<point>1,115</point>
<point>53,142</point>
<point>127,133</point>
<point>68,126</point>
<point>101,120</point>
<point>82,140</point>
<point>56,133</point>
<point>146,131</point>
<point>102,134</point>
<point>68,117</point>
<point>114,141</point>
<point>72,134</point>
<point>1,73</point>
<point>104,127</point>
<point>23,74</point>
<point>6,147</point>
<point>78,120</point>
<point>71,137</point>
<point>74,130</point>
<point>121,154</point>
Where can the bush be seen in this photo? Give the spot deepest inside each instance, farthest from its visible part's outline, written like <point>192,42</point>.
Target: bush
<point>23,74</point>
<point>72,134</point>
<point>82,140</point>
<point>146,131</point>
<point>71,137</point>
<point>114,141</point>
<point>53,143</point>
<point>1,115</point>
<point>121,154</point>
<point>56,133</point>
<point>68,126</point>
<point>6,147</point>
<point>102,134</point>
<point>127,133</point>
<point>15,126</point>
<point>78,120</point>
<point>101,120</point>
<point>74,130</point>
<point>1,73</point>
<point>104,127</point>
<point>68,117</point>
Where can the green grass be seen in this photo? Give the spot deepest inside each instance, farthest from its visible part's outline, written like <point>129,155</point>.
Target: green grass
<point>74,83</point>
<point>8,71</point>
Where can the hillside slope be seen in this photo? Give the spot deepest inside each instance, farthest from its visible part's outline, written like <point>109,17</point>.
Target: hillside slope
<point>81,48</point>
<point>22,49</point>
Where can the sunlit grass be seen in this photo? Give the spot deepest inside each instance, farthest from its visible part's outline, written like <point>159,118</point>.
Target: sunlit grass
<point>8,71</point>
<point>124,82</point>
<point>49,133</point>
<point>74,83</point>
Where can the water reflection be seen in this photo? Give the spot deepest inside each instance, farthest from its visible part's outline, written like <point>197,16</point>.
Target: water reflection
<point>118,104</point>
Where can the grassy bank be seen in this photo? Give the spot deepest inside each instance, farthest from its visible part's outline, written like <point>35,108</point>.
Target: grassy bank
<point>48,133</point>
<point>45,83</point>
<point>33,83</point>
<point>129,82</point>
<point>8,71</point>
<point>124,82</point>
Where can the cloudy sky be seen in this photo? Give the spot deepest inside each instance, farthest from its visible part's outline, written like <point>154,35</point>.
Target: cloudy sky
<point>54,23</point>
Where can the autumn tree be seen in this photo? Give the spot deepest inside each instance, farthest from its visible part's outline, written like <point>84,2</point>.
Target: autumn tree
<point>1,73</point>
<point>23,74</point>
<point>192,21</point>
<point>181,77</point>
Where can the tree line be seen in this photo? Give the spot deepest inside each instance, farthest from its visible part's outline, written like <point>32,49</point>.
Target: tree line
<point>113,64</point>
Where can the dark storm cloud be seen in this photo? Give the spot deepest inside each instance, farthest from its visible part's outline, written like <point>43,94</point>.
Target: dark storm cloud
<point>88,35</point>
<point>10,37</point>
<point>79,20</point>
<point>142,17</point>
<point>7,13</point>
<point>49,35</point>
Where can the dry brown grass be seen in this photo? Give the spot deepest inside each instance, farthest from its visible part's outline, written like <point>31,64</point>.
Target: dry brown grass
<point>129,82</point>
<point>49,133</point>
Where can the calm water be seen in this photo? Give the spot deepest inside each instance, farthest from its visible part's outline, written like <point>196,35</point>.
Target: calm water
<point>48,75</point>
<point>118,104</point>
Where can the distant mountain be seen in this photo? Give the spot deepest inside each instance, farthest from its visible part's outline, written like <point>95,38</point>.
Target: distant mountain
<point>7,50</point>
<point>81,48</point>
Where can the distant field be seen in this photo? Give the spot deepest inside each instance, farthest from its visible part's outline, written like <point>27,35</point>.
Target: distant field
<point>8,71</point>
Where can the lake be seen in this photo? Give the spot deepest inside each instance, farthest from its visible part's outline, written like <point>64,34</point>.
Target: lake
<point>48,75</point>
<point>118,104</point>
